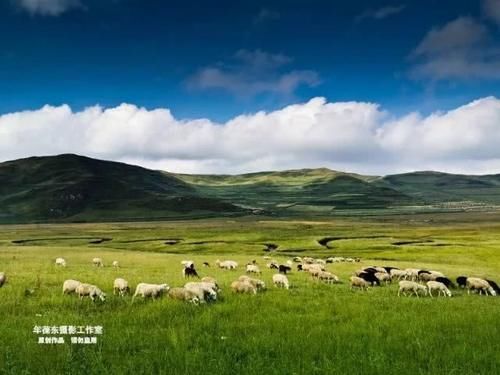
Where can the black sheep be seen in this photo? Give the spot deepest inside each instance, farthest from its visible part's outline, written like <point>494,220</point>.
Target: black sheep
<point>284,269</point>
<point>206,264</point>
<point>446,282</point>
<point>190,272</point>
<point>370,270</point>
<point>462,281</point>
<point>299,267</point>
<point>370,277</point>
<point>494,285</point>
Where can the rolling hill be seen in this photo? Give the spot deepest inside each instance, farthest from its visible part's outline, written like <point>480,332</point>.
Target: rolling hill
<point>76,188</point>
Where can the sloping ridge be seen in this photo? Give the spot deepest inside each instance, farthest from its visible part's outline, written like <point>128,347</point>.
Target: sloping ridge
<point>79,188</point>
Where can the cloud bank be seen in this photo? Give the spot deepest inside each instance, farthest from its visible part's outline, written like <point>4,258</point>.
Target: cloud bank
<point>47,7</point>
<point>354,136</point>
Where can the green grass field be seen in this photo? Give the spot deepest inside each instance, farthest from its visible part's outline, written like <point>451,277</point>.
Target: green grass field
<point>310,329</point>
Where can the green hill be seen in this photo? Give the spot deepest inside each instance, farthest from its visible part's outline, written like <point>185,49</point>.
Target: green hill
<point>76,188</point>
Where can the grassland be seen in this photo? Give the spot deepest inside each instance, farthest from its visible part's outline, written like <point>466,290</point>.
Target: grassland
<point>310,329</point>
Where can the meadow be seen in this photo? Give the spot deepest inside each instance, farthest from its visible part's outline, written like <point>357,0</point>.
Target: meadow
<point>312,328</point>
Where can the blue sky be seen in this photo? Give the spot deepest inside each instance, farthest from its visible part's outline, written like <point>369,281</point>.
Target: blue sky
<point>373,87</point>
<point>150,53</point>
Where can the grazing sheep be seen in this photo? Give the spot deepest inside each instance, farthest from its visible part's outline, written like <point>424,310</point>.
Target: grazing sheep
<point>397,274</point>
<point>445,281</point>
<point>425,276</point>
<point>327,277</point>
<point>184,294</point>
<point>461,281</point>
<point>252,268</point>
<point>383,276</point>
<point>258,284</point>
<point>150,290</point>
<point>227,264</point>
<point>60,262</point>
<point>120,287</point>
<point>481,285</point>
<point>69,286</point>
<point>358,282</point>
<point>494,285</point>
<point>411,286</point>
<point>280,280</point>
<point>412,274</point>
<point>370,277</point>
<point>206,291</point>
<point>297,259</point>
<point>91,291</point>
<point>308,260</point>
<point>116,264</point>
<point>243,287</point>
<point>284,269</point>
<point>206,264</point>
<point>189,271</point>
<point>309,266</point>
<point>97,262</point>
<point>211,280</point>
<point>440,287</point>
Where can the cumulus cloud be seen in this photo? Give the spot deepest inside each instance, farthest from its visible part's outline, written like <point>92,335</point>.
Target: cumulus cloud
<point>249,73</point>
<point>353,136</point>
<point>47,7</point>
<point>491,10</point>
<point>380,13</point>
<point>460,49</point>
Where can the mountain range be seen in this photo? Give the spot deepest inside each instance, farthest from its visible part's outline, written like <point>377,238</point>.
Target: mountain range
<point>79,189</point>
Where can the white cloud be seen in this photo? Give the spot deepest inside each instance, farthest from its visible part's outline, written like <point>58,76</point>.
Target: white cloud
<point>353,136</point>
<point>250,73</point>
<point>380,13</point>
<point>47,7</point>
<point>460,49</point>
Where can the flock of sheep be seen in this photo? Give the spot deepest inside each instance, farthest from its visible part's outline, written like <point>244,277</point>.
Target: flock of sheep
<point>411,280</point>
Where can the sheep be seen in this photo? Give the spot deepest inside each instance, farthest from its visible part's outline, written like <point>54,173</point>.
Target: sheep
<point>308,260</point>
<point>189,271</point>
<point>150,290</point>
<point>389,269</point>
<point>3,279</point>
<point>412,274</point>
<point>328,277</point>
<point>211,280</point>
<point>370,277</point>
<point>252,268</point>
<point>309,266</point>
<point>475,283</point>
<point>258,284</point>
<point>91,291</point>
<point>205,291</point>
<point>397,274</point>
<point>445,281</point>
<point>411,286</point>
<point>297,259</point>
<point>227,264</point>
<point>320,261</point>
<point>116,264</point>
<point>184,294</point>
<point>187,263</point>
<point>383,276</point>
<point>440,287</point>
<point>284,269</point>
<point>60,262</point>
<point>494,285</point>
<point>280,280</point>
<point>206,264</point>
<point>69,286</point>
<point>243,287</point>
<point>120,287</point>
<point>358,282</point>
<point>272,265</point>
<point>462,281</point>
<point>97,262</point>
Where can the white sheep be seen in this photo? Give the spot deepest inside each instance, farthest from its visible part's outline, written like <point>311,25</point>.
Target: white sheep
<point>211,280</point>
<point>3,279</point>
<point>358,282</point>
<point>184,294</point>
<point>227,264</point>
<point>150,290</point>
<point>328,277</point>
<point>280,280</point>
<point>187,263</point>
<point>60,262</point>
<point>481,285</point>
<point>440,287</point>
<point>411,286</point>
<point>397,274</point>
<point>258,284</point>
<point>97,262</point>
<point>120,287</point>
<point>243,287</point>
<point>205,291</point>
<point>383,276</point>
<point>69,286</point>
<point>116,264</point>
<point>411,274</point>
<point>252,268</point>
<point>91,291</point>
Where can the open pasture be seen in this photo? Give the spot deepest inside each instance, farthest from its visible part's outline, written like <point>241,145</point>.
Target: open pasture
<point>313,328</point>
